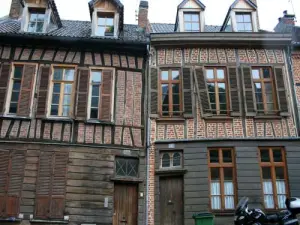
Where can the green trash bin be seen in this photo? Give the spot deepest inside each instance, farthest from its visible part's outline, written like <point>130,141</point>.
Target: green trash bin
<point>204,218</point>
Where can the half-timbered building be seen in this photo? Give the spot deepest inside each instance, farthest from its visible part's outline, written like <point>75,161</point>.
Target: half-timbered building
<point>222,116</point>
<point>72,115</point>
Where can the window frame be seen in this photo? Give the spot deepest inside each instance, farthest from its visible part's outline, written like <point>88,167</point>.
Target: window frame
<point>50,90</point>
<point>263,81</point>
<point>127,158</point>
<point>191,22</point>
<point>215,80</point>
<point>272,165</point>
<point>170,82</point>
<point>171,155</point>
<point>38,11</point>
<point>221,165</point>
<point>251,21</point>
<point>106,13</point>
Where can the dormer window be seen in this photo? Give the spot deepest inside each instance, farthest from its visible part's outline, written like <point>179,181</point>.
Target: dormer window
<point>191,21</point>
<point>36,20</point>
<point>244,22</point>
<point>105,24</point>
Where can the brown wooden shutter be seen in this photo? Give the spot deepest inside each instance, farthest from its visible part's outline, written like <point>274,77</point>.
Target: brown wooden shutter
<point>82,94</point>
<point>234,92</point>
<point>26,91</point>
<point>58,185</point>
<point>106,95</point>
<point>202,92</point>
<point>281,92</point>
<point>42,206</point>
<point>4,81</point>
<point>250,105</point>
<point>153,91</point>
<point>43,91</point>
<point>4,162</point>
<point>187,92</point>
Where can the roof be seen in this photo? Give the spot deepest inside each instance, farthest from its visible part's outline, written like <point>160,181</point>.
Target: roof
<point>169,28</point>
<point>72,29</point>
<point>196,1</point>
<point>296,36</point>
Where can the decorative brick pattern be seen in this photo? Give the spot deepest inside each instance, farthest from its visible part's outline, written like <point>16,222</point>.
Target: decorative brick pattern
<point>269,130</point>
<point>124,61</point>
<point>56,133</point>
<point>161,56</point>
<point>260,129</point>
<point>48,55</point>
<point>60,56</point>
<point>221,55</point>
<point>284,128</point>
<point>179,130</point>
<point>291,127</point>
<point>80,136</point>
<point>129,99</point>
<point>277,128</point>
<point>25,54</point>
<point>211,130</point>
<point>140,62</point>
<point>118,135</point>
<point>24,129</point>
<point>116,60</point>
<point>231,55</point>
<point>137,137</point>
<point>160,131</point>
<point>221,130</point>
<point>17,53</point>
<point>262,57</point>
<point>195,55</point>
<point>98,59</point>
<point>228,129</point>
<point>250,128</point>
<point>70,57</point>
<point>137,107</point>
<point>252,55</point>
<point>4,128</point>
<point>126,137</point>
<point>120,98</point>
<point>89,134</point>
<point>203,55</point>
<point>107,135</point>
<point>32,129</point>
<point>238,128</point>
<point>14,131</point>
<point>88,58</point>
<point>98,135</point>
<point>107,59</point>
<point>47,131</point>
<point>38,129</point>
<point>279,56</point>
<point>178,56</point>
<point>169,56</point>
<point>77,58</point>
<point>190,128</point>
<point>270,56</point>
<point>37,54</point>
<point>213,57</point>
<point>200,128</point>
<point>242,56</point>
<point>131,61</point>
<point>67,132</point>
<point>170,132</point>
<point>6,53</point>
<point>186,53</point>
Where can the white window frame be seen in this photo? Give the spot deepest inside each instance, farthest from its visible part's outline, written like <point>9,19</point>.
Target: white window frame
<point>95,22</point>
<point>253,19</point>
<point>50,90</point>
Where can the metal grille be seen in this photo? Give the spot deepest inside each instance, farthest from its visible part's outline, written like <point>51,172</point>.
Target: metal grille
<point>127,167</point>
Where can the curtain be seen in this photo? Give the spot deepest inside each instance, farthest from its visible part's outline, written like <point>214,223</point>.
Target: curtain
<point>229,194</point>
<point>281,193</point>
<point>215,195</point>
<point>268,194</point>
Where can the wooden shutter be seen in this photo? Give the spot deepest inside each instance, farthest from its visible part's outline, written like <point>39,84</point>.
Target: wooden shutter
<point>106,95</point>
<point>43,91</point>
<point>58,185</point>
<point>234,92</point>
<point>4,80</point>
<point>250,105</point>
<point>26,91</point>
<point>82,94</point>
<point>4,161</point>
<point>202,92</point>
<point>187,92</point>
<point>281,91</point>
<point>153,91</point>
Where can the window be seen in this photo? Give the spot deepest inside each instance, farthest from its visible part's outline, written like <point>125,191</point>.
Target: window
<point>264,90</point>
<point>16,89</point>
<point>127,167</point>
<point>170,160</point>
<point>105,24</point>
<point>274,177</point>
<point>36,20</point>
<point>222,178</point>
<point>217,90</point>
<point>170,93</point>
<point>191,22</point>
<point>95,90</point>
<point>62,91</point>
<point>244,22</point>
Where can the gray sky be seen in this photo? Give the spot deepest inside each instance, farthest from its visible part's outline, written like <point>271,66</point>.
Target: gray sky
<point>164,11</point>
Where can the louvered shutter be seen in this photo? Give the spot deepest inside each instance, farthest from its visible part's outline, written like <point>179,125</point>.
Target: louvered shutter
<point>250,105</point>
<point>4,81</point>
<point>58,184</point>
<point>187,92</point>
<point>202,92</point>
<point>82,94</point>
<point>43,197</point>
<point>15,179</point>
<point>234,92</point>
<point>43,91</point>
<point>153,91</point>
<point>106,95</point>
<point>26,91</point>
<point>281,92</point>
<point>4,161</point>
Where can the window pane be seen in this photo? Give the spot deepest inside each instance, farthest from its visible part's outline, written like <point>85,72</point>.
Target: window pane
<point>176,108</point>
<point>269,97</point>
<point>195,27</point>
<point>67,100</point>
<point>94,113</point>
<point>13,107</point>
<point>260,106</point>
<point>176,159</point>
<point>101,21</point>
<point>56,88</point>
<point>222,98</point>
<point>223,108</point>
<point>175,99</point>
<point>227,157</point>
<point>165,160</point>
<point>175,88</point>
<point>165,89</point>
<point>215,173</point>
<point>54,110</point>
<point>41,17</point>
<point>39,27</point>
<point>15,96</point>
<point>33,17</point>
<point>239,18</point>
<point>187,17</point>
<point>214,156</point>
<point>31,27</point>
<point>240,27</point>
<point>68,89</point>
<point>266,73</point>
<point>188,26</point>
<point>209,74</point>
<point>220,74</point>
<point>55,99</point>
<point>264,155</point>
<point>277,155</point>
<point>211,87</point>
<point>66,110</point>
<point>69,75</point>
<point>195,17</point>
<point>247,18</point>
<point>58,74</point>
<point>270,107</point>
<point>258,87</point>
<point>109,21</point>
<point>255,74</point>
<point>165,99</point>
<point>221,87</point>
<point>164,75</point>
<point>95,101</point>
<point>96,77</point>
<point>268,87</point>
<point>100,31</point>
<point>248,26</point>
<point>175,75</point>
<point>266,173</point>
<point>259,98</point>
<point>95,90</point>
<point>212,98</point>
<point>228,174</point>
<point>165,109</point>
<point>18,72</point>
<point>17,85</point>
<point>279,173</point>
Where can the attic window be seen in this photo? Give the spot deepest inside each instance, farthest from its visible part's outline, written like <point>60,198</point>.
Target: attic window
<point>105,24</point>
<point>244,22</point>
<point>191,21</point>
<point>36,20</point>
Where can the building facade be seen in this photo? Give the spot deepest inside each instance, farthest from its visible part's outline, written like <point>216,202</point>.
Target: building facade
<point>72,115</point>
<point>222,116</point>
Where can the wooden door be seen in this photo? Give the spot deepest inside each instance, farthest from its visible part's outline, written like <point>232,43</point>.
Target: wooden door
<point>125,204</point>
<point>171,200</point>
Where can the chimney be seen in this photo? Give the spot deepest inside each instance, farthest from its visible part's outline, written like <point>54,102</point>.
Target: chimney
<point>285,23</point>
<point>16,9</point>
<point>143,15</point>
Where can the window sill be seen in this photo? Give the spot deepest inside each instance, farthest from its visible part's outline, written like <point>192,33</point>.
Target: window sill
<point>15,117</point>
<point>93,121</point>
<point>10,220</point>
<point>170,171</point>
<point>127,179</point>
<point>218,117</point>
<point>58,119</point>
<point>170,120</point>
<point>49,221</point>
<point>274,117</point>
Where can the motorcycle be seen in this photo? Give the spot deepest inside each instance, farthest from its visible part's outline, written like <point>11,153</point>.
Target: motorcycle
<point>246,216</point>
